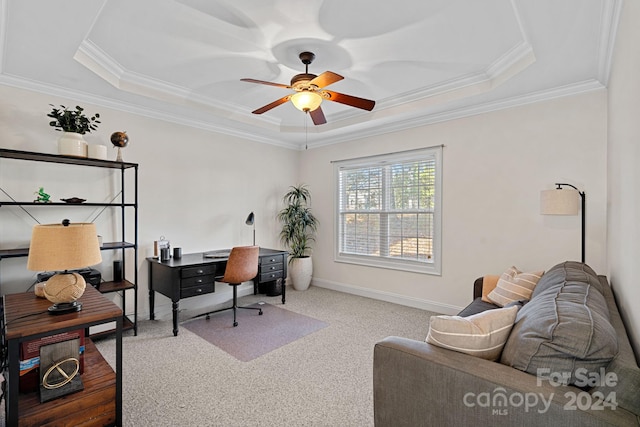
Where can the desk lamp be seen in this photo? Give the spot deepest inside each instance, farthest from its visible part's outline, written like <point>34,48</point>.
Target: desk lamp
<point>63,247</point>
<point>251,220</point>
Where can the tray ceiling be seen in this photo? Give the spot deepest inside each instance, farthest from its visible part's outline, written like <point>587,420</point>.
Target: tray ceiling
<point>421,61</point>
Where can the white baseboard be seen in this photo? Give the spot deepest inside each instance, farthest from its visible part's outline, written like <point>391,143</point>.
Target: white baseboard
<point>388,296</point>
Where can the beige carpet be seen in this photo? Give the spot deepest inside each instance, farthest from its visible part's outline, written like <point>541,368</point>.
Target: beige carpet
<point>321,379</point>
<point>255,334</point>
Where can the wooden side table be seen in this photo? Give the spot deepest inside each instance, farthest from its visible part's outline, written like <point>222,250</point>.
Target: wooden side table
<point>100,403</point>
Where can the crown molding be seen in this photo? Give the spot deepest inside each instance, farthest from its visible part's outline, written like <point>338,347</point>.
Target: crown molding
<point>429,119</point>
<point>610,17</point>
<point>34,86</point>
<point>365,131</point>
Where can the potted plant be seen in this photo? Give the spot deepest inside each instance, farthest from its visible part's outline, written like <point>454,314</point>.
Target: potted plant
<point>74,124</point>
<point>299,227</point>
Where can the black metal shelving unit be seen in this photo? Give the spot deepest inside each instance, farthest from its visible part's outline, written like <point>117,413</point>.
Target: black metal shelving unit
<point>122,287</point>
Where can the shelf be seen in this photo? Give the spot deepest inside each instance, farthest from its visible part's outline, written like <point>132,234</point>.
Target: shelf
<point>69,160</point>
<point>96,402</point>
<point>75,205</point>
<point>124,170</point>
<point>106,287</point>
<point>22,252</point>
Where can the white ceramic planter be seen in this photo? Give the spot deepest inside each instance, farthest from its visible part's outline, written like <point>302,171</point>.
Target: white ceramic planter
<point>72,144</point>
<point>300,270</point>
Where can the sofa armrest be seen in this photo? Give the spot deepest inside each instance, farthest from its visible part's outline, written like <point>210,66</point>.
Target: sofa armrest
<point>477,287</point>
<point>418,384</point>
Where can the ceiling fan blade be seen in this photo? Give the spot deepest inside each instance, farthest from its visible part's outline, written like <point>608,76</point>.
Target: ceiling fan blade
<point>272,105</point>
<point>325,79</point>
<point>353,101</point>
<point>318,116</point>
<point>262,82</point>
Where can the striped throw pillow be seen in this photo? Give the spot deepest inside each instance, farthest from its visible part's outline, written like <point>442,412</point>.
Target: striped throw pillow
<point>514,285</point>
<point>481,335</point>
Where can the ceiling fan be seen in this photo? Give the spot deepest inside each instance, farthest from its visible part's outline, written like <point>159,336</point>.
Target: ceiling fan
<point>310,92</point>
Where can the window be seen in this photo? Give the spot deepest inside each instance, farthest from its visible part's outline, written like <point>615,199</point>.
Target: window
<point>388,210</point>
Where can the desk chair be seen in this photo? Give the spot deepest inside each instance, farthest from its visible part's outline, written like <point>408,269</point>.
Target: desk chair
<point>242,266</point>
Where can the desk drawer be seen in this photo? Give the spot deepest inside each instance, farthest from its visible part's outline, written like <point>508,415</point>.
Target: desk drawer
<point>271,276</point>
<point>192,291</point>
<point>271,268</point>
<point>273,259</point>
<point>201,270</point>
<point>197,280</point>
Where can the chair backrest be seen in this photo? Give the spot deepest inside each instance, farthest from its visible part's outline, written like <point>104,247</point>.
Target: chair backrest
<point>242,264</point>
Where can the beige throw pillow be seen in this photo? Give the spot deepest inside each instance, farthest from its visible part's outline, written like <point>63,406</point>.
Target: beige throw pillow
<point>481,335</point>
<point>514,285</point>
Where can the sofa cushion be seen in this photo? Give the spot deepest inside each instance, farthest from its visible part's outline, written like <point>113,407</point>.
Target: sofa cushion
<point>478,305</point>
<point>565,326</point>
<point>481,335</point>
<point>514,285</point>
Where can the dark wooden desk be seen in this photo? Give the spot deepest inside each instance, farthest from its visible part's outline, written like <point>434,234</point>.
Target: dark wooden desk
<point>194,275</point>
<point>100,403</point>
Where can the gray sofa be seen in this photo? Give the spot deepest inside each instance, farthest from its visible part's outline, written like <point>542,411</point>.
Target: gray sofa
<point>419,384</point>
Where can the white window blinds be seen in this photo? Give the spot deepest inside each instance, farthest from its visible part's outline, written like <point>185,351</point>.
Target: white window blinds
<point>388,210</point>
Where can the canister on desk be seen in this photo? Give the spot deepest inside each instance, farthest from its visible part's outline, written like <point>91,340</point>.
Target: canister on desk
<point>177,253</point>
<point>164,254</point>
<point>158,245</point>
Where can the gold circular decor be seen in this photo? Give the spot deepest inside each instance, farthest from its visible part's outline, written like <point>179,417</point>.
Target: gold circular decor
<point>61,368</point>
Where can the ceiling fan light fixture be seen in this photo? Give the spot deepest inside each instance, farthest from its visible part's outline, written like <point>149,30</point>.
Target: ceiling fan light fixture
<point>306,100</point>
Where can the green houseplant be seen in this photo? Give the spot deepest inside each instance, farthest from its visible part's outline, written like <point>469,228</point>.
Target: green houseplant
<point>299,227</point>
<point>73,120</point>
<point>74,124</point>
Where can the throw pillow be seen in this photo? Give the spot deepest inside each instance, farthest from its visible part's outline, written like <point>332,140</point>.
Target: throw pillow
<point>481,335</point>
<point>514,285</point>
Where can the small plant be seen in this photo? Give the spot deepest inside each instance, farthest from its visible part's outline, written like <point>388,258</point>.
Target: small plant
<point>299,225</point>
<point>73,120</point>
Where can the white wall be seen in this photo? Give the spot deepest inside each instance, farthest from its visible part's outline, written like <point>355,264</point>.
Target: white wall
<point>495,166</point>
<point>196,188</point>
<point>623,171</point>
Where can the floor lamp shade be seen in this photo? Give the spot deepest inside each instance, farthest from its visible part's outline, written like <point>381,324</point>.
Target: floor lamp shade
<point>559,202</point>
<point>565,202</point>
<point>62,247</point>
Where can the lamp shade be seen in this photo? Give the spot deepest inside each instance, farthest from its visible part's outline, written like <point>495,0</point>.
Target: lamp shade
<point>57,247</point>
<point>250,219</point>
<point>559,202</point>
<point>306,100</point>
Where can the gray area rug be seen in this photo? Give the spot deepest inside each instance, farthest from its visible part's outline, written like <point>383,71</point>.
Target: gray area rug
<point>323,379</point>
<point>255,335</point>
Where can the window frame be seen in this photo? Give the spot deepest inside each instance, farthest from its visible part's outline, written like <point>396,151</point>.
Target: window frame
<point>434,267</point>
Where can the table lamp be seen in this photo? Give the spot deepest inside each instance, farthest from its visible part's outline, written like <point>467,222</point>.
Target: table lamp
<point>63,247</point>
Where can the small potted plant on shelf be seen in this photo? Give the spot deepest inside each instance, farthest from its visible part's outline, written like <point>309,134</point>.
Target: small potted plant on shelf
<point>299,227</point>
<point>74,124</point>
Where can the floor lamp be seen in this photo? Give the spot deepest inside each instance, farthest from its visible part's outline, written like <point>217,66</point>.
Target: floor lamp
<point>564,202</point>
<point>251,220</point>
